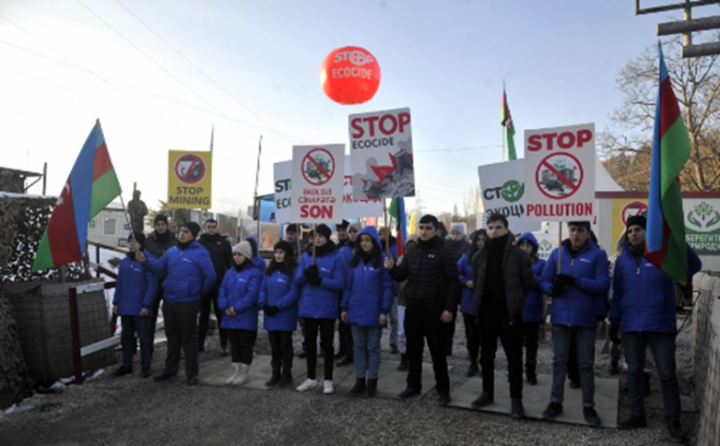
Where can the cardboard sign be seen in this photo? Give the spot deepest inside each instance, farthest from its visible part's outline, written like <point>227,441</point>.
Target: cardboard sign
<point>560,173</point>
<point>283,190</point>
<point>382,154</point>
<point>502,190</point>
<point>317,176</point>
<point>189,180</point>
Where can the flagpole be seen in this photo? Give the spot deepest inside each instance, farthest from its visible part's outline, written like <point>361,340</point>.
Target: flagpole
<point>257,203</point>
<point>559,269</point>
<point>504,128</point>
<point>314,228</point>
<point>387,229</point>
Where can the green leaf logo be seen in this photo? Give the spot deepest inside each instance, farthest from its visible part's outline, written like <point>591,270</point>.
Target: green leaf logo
<point>512,191</point>
<point>545,245</point>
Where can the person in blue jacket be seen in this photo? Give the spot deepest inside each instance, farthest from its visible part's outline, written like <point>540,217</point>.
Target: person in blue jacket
<point>644,307</point>
<point>367,299</point>
<point>258,261</point>
<point>472,330</point>
<point>320,280</point>
<point>279,297</point>
<point>575,289</point>
<point>533,311</point>
<point>190,274</point>
<point>238,300</point>
<point>134,295</point>
<point>346,355</point>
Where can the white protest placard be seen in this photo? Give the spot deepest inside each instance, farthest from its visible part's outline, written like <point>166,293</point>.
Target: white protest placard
<point>502,190</point>
<point>382,154</point>
<point>560,173</point>
<point>283,194</point>
<point>317,179</point>
<point>353,208</point>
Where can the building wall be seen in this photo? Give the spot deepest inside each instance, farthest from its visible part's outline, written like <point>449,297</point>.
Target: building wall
<point>706,349</point>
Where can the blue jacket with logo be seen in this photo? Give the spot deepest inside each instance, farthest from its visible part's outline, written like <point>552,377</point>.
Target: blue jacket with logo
<point>578,305</point>
<point>533,311</point>
<point>257,260</point>
<point>279,289</point>
<point>240,290</point>
<point>643,295</point>
<point>190,272</point>
<point>369,291</point>
<point>135,288</point>
<point>466,274</point>
<point>321,302</point>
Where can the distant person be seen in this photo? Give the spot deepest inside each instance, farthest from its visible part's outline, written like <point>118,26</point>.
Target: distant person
<point>534,307</point>
<point>258,261</point>
<point>401,307</point>
<point>342,234</point>
<point>158,243</point>
<point>222,258</point>
<point>190,274</point>
<point>134,295</point>
<point>346,355</point>
<point>472,329</point>
<point>394,320</point>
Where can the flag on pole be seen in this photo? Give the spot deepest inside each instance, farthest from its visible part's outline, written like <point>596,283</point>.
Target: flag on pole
<point>91,186</point>
<point>397,211</point>
<point>413,223</point>
<point>665,245</point>
<point>507,122</point>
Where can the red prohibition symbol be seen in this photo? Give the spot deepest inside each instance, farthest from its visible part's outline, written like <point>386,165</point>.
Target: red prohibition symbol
<point>559,176</point>
<point>318,166</point>
<point>190,169</point>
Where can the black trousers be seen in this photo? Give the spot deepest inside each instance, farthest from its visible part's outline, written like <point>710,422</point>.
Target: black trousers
<point>282,351</point>
<point>421,324</point>
<point>326,327</point>
<point>208,298</point>
<point>472,337</point>
<point>242,343</point>
<point>493,326</point>
<point>449,333</point>
<point>156,308</point>
<point>530,334</point>
<point>181,332</point>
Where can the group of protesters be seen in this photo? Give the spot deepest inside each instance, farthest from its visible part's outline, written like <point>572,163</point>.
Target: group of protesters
<point>496,279</point>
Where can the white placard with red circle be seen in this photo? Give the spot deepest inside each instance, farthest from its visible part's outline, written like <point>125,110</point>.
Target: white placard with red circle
<point>317,183</point>
<point>560,173</point>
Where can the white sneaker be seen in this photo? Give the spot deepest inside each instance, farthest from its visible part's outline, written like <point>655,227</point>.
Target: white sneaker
<point>329,389</point>
<point>307,385</point>
<point>234,374</point>
<point>243,374</point>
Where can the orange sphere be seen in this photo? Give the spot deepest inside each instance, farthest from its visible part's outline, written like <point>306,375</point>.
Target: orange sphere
<point>350,75</point>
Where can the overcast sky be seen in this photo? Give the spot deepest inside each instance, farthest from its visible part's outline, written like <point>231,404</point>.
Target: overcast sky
<point>159,74</point>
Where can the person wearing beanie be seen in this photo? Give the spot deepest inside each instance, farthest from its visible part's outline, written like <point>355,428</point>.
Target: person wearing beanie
<point>190,274</point>
<point>644,307</point>
<point>320,280</point>
<point>431,294</point>
<point>238,300</point>
<point>158,243</point>
<point>221,255</point>
<point>279,297</point>
<point>135,290</point>
<point>342,234</point>
<point>534,306</point>
<point>502,277</point>
<point>346,355</point>
<point>367,299</point>
<point>582,281</point>
<point>258,261</point>
<point>472,329</point>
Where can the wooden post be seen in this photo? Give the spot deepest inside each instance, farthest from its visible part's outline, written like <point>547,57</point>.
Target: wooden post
<point>387,228</point>
<point>559,247</point>
<point>314,228</point>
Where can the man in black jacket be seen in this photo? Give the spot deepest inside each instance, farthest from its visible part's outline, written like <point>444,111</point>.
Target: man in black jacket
<point>431,292</point>
<point>222,258</point>
<point>502,277</point>
<point>157,243</point>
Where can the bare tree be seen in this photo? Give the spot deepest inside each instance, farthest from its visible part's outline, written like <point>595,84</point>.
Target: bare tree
<point>696,82</point>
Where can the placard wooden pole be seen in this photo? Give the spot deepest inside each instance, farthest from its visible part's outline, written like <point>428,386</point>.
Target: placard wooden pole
<point>387,228</point>
<point>560,247</point>
<point>313,242</point>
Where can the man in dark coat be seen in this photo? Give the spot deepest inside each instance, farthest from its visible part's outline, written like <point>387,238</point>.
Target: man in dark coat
<point>502,277</point>
<point>158,243</point>
<point>431,293</point>
<point>222,258</point>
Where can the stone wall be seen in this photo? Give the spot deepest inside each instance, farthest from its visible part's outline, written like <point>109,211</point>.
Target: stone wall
<point>706,349</point>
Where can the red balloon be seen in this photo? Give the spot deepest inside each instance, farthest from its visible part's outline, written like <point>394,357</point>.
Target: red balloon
<point>350,75</point>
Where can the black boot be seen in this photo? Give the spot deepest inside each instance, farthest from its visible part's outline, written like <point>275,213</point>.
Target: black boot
<point>633,422</point>
<point>371,388</point>
<point>646,387</point>
<point>675,431</point>
<point>483,400</point>
<point>359,387</point>
<point>340,354</point>
<point>517,411</point>
<point>284,381</point>
<point>122,371</point>
<point>347,360</point>
<point>275,378</point>
<point>530,375</point>
<point>614,368</point>
<point>473,369</point>
<point>403,366</point>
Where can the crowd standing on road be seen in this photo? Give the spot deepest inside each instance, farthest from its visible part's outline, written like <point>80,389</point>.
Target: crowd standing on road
<point>497,282</point>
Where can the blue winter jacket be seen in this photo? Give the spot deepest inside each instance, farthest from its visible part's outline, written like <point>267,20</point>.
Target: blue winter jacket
<point>578,305</point>
<point>369,291</point>
<point>135,288</point>
<point>465,270</point>
<point>190,272</point>
<point>533,311</point>
<point>321,302</point>
<point>258,261</point>
<point>643,295</point>
<point>240,290</point>
<point>280,289</point>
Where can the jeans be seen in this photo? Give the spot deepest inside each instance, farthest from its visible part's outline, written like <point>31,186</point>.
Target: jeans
<point>141,325</point>
<point>393,316</point>
<point>211,297</point>
<point>367,345</point>
<point>327,332</point>
<point>402,342</point>
<point>663,349</point>
<point>585,338</point>
<point>242,343</point>
<point>282,351</point>
<point>472,337</point>
<point>421,324</point>
<point>181,332</point>
<point>494,326</point>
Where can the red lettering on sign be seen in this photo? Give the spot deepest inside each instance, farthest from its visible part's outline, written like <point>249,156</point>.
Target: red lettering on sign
<point>583,136</point>
<point>316,211</point>
<point>566,140</point>
<point>355,124</point>
<point>387,124</point>
<point>559,210</point>
<point>534,143</point>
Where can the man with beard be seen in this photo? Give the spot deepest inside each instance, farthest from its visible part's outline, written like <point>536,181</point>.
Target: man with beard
<point>222,258</point>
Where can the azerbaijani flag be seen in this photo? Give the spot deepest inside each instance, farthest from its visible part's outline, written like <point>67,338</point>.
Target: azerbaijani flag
<point>665,245</point>
<point>92,185</point>
<point>507,122</point>
<point>397,210</point>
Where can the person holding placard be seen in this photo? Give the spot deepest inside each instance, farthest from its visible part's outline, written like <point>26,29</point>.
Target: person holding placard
<point>472,329</point>
<point>346,355</point>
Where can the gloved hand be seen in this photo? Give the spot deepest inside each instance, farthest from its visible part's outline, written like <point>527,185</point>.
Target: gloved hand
<point>556,289</point>
<point>565,279</point>
<point>614,329</point>
<point>271,310</point>
<point>600,318</point>
<point>311,271</point>
<point>315,281</point>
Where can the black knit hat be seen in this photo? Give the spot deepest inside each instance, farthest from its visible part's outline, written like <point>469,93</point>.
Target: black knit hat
<point>637,220</point>
<point>292,228</point>
<point>193,227</point>
<point>285,246</point>
<point>343,225</point>
<point>160,217</point>
<point>139,238</point>
<point>324,230</point>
